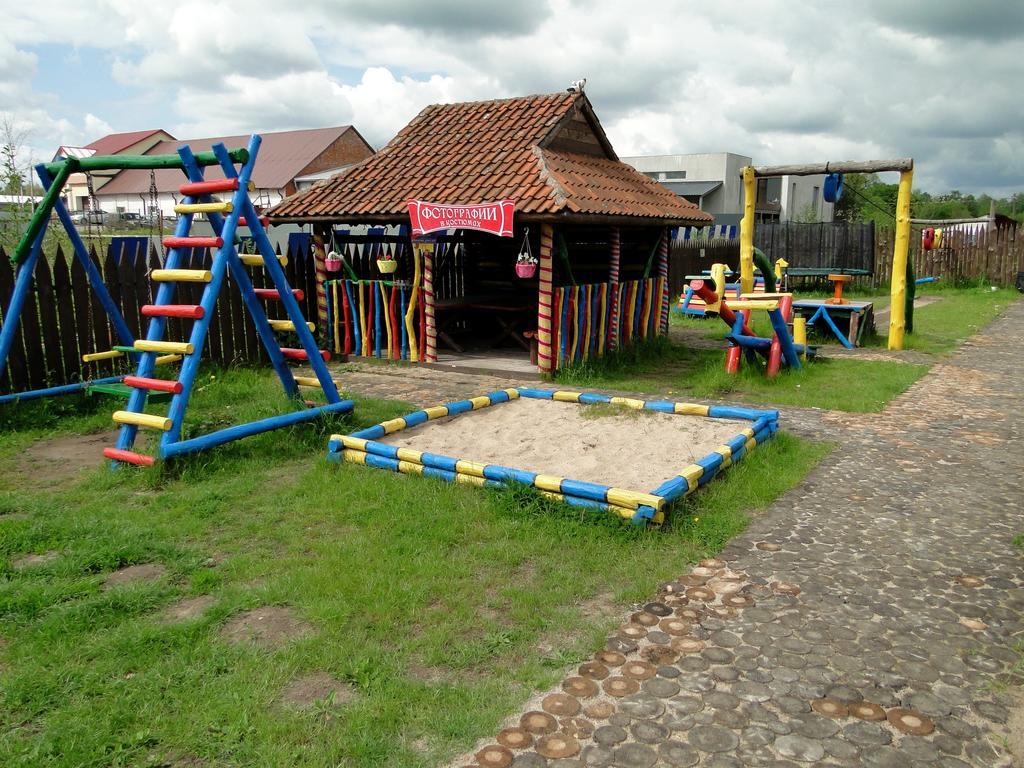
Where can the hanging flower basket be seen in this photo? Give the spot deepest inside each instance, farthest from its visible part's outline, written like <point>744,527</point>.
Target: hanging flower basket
<point>526,270</point>
<point>333,262</point>
<point>526,262</point>
<point>387,266</point>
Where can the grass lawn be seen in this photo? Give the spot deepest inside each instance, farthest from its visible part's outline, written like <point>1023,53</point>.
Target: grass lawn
<point>846,383</point>
<point>413,614</point>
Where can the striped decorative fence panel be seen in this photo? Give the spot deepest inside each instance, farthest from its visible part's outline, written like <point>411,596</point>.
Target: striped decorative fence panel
<point>371,318</point>
<point>583,320</point>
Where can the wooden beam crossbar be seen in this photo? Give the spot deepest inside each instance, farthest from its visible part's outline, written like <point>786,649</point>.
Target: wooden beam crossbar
<point>842,166</point>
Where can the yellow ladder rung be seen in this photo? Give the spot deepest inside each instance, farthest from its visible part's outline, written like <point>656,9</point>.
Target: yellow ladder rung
<point>168,359</point>
<point>255,260</point>
<point>755,304</point>
<point>94,356</point>
<point>287,325</point>
<point>142,420</point>
<point>181,275</point>
<point>169,347</point>
<point>204,207</point>
<point>308,381</point>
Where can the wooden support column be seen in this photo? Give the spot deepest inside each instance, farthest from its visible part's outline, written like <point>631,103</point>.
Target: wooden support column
<point>898,287</point>
<point>545,351</point>
<point>663,299</point>
<point>746,234</point>
<point>613,287</point>
<point>321,236</point>
<point>430,330</point>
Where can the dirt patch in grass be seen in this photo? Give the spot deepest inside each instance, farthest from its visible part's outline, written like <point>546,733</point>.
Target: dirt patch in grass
<point>1015,726</point>
<point>132,573</point>
<point>56,460</point>
<point>269,627</point>
<point>305,691</point>
<point>189,608</point>
<point>30,561</point>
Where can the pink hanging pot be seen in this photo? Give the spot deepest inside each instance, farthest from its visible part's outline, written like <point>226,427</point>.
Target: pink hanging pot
<point>333,262</point>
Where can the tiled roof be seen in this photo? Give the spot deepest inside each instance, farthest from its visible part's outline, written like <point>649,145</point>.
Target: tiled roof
<point>283,155</point>
<point>116,142</point>
<point>481,151</point>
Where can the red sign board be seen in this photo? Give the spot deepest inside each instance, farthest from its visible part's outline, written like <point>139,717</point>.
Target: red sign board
<point>493,218</point>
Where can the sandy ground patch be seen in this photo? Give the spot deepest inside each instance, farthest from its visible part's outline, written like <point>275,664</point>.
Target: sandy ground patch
<point>305,691</point>
<point>30,561</point>
<point>141,572</point>
<point>637,451</point>
<point>269,627</point>
<point>56,460</point>
<point>189,608</point>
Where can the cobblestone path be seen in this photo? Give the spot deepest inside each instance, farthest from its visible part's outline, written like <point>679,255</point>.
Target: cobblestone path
<point>868,618</point>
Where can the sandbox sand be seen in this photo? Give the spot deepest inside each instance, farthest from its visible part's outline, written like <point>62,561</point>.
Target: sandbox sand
<point>636,450</point>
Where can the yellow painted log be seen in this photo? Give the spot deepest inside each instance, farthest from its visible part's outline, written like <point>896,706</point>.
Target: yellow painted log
<point>800,335</point>
<point>548,483</point>
<point>513,394</point>
<point>480,402</point>
<point>410,456</point>
<point>718,275</point>
<point>747,231</point>
<point>436,412</point>
<point>287,325</point>
<point>901,250</point>
<point>469,479</point>
<point>692,473</point>
<point>566,397</point>
<point>168,359</point>
<point>170,347</point>
<point>352,443</point>
<point>738,304</point>
<point>410,468</point>
<point>474,468</point>
<point>142,420</point>
<point>308,381</point>
<point>256,260</point>
<point>691,409</point>
<point>204,207</point>
<point>621,497</point>
<point>393,425</point>
<point>628,402</point>
<point>94,356</point>
<point>181,275</point>
<point>356,457</point>
<point>726,452</point>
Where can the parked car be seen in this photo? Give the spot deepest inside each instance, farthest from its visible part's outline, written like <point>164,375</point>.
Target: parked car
<point>129,219</point>
<point>90,217</point>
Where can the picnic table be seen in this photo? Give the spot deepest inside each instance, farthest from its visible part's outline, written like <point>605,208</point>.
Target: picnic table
<point>847,321</point>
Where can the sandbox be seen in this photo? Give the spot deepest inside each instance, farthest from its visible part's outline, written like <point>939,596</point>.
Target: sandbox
<point>585,457</point>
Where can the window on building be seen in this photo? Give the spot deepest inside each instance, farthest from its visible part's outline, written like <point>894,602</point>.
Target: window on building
<point>673,175</point>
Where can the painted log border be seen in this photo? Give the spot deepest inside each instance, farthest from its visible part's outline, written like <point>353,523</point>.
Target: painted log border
<point>363,447</point>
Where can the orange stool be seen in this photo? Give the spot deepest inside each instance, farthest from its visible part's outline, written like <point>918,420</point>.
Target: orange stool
<point>839,280</point>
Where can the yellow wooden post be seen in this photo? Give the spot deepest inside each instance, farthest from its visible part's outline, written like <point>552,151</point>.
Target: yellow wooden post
<point>747,231</point>
<point>898,287</point>
<point>718,275</point>
<point>800,335</point>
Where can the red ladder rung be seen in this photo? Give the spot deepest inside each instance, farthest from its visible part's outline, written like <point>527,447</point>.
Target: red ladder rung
<point>300,354</point>
<point>187,311</point>
<point>129,457</point>
<point>263,220</point>
<point>156,385</point>
<point>193,242</point>
<point>271,294</point>
<point>196,188</point>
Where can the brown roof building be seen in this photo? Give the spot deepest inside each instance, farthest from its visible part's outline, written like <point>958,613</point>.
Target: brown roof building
<point>584,272</point>
<point>548,153</point>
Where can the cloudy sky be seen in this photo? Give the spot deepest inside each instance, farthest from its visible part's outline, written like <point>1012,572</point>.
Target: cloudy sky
<point>778,80</point>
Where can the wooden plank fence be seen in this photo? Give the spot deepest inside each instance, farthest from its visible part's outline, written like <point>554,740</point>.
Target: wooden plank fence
<point>965,256</point>
<point>62,320</point>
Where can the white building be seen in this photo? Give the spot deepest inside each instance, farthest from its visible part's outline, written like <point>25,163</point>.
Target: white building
<point>712,181</point>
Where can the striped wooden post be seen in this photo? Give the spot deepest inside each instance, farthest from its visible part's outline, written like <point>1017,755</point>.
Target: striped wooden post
<point>430,355</point>
<point>663,279</point>
<point>320,264</point>
<point>613,280</point>
<point>545,353</point>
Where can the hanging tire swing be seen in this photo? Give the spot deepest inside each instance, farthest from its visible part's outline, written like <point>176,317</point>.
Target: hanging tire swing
<point>833,189</point>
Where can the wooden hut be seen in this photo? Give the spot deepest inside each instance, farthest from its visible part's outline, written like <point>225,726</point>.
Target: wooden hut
<point>598,229</point>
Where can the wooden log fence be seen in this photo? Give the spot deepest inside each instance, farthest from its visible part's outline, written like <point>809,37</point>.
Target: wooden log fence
<point>62,320</point>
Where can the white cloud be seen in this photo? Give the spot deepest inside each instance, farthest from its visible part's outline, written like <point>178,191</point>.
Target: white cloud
<point>777,81</point>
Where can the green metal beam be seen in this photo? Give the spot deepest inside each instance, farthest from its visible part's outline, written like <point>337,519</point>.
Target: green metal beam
<point>145,162</point>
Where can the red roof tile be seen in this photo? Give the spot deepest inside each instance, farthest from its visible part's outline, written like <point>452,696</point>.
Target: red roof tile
<point>547,152</point>
<point>118,142</point>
